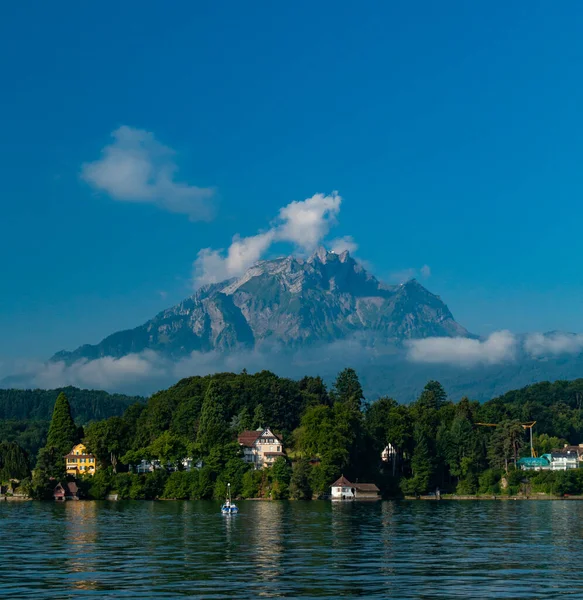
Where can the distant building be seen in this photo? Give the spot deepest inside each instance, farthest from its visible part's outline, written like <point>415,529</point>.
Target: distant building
<point>387,453</point>
<point>540,463</point>
<point>576,449</point>
<point>563,459</point>
<point>80,462</point>
<point>557,460</point>
<point>148,466</point>
<point>69,491</point>
<point>261,447</point>
<point>342,489</point>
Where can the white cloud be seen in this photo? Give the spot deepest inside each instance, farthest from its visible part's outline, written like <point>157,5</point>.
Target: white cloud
<point>138,168</point>
<point>341,244</point>
<point>211,266</point>
<point>102,373</point>
<point>425,271</point>
<point>541,344</point>
<point>304,223</point>
<point>499,347</point>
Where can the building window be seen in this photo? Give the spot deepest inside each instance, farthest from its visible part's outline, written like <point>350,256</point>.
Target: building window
<point>279,448</point>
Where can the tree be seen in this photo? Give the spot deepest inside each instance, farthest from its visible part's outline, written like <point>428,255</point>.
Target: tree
<point>63,433</point>
<point>13,462</point>
<point>505,444</point>
<point>281,473</point>
<point>241,421</point>
<point>108,440</point>
<point>300,488</point>
<point>544,443</point>
<point>432,397</point>
<point>168,448</point>
<point>459,446</point>
<point>50,463</point>
<point>259,418</point>
<point>213,429</point>
<point>347,388</point>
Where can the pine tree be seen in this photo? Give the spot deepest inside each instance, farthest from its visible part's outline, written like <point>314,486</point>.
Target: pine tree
<point>13,462</point>
<point>63,433</point>
<point>259,419</point>
<point>347,389</point>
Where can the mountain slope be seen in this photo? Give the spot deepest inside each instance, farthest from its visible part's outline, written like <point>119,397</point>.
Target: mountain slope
<point>289,303</point>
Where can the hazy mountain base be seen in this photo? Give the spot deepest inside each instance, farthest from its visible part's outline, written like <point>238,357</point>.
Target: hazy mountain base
<point>383,369</point>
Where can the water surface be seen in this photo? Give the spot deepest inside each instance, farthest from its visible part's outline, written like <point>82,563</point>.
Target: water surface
<point>473,549</point>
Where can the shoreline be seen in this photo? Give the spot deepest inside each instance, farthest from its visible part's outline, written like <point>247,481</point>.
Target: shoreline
<point>493,498</point>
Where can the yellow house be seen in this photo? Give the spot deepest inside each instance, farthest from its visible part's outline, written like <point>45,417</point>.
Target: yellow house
<point>80,462</point>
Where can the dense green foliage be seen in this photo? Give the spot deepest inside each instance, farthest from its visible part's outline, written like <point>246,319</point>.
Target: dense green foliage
<point>29,435</point>
<point>63,433</point>
<point>435,442</point>
<point>86,405</point>
<point>13,462</point>
<point>25,414</point>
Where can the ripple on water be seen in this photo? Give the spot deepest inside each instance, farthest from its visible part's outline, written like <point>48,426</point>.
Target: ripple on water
<point>402,550</point>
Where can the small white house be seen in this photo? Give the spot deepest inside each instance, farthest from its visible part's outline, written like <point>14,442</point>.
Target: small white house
<point>342,489</point>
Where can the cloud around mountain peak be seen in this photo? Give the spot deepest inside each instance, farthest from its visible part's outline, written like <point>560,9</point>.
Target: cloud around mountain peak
<point>305,224</point>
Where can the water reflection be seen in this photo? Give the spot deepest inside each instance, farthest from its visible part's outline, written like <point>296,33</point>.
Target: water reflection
<point>81,533</point>
<point>292,549</point>
<point>266,543</point>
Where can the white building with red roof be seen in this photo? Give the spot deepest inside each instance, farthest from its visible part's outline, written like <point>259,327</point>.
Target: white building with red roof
<point>261,447</point>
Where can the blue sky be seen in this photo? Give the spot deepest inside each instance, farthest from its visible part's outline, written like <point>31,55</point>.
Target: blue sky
<point>452,132</point>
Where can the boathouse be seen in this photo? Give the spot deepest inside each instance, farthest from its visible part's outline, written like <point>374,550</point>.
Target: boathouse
<point>342,489</point>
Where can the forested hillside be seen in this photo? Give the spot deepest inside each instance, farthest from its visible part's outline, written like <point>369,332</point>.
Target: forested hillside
<point>86,405</point>
<point>25,414</point>
<point>325,431</point>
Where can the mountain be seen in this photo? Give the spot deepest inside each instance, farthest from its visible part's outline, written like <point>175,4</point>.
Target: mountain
<point>290,303</point>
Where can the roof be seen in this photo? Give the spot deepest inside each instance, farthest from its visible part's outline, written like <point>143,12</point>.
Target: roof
<point>366,487</point>
<point>578,449</point>
<point>342,482</point>
<point>72,487</point>
<point>248,438</point>
<point>71,454</point>
<point>541,461</point>
<point>361,487</point>
<point>561,454</point>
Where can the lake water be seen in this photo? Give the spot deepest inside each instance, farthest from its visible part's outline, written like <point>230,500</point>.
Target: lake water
<point>473,549</point>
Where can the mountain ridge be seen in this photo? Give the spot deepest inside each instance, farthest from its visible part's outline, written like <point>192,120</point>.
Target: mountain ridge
<point>288,301</point>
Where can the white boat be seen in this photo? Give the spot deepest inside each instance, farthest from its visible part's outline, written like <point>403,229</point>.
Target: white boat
<point>229,508</point>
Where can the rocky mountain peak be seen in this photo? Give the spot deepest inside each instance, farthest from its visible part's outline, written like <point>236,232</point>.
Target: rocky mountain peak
<point>288,301</point>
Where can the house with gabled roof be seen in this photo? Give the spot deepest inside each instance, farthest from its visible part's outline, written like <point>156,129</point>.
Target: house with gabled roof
<point>261,447</point>
<point>80,462</point>
<point>69,491</point>
<point>342,489</point>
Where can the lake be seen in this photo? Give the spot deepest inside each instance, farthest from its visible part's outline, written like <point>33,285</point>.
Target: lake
<point>416,549</point>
